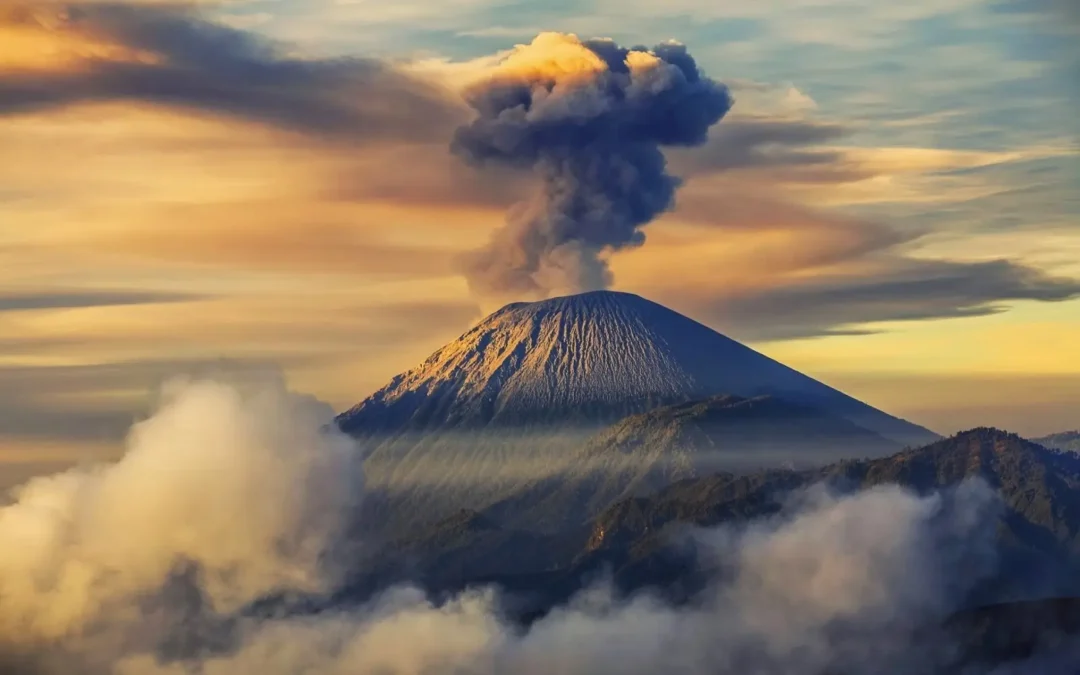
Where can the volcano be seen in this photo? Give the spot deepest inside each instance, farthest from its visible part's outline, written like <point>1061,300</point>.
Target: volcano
<point>544,413</point>
<point>588,359</point>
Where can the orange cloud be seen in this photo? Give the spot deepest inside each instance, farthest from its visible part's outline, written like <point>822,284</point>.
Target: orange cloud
<point>33,38</point>
<point>550,56</point>
<point>311,172</point>
<point>170,55</point>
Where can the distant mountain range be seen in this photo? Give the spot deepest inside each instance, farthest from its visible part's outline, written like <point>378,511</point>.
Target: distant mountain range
<point>545,413</point>
<point>1066,440</point>
<point>1040,489</point>
<point>633,539</point>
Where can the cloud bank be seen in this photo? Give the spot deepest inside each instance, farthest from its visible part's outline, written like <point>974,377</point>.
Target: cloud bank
<point>588,119</point>
<point>228,494</point>
<point>169,54</point>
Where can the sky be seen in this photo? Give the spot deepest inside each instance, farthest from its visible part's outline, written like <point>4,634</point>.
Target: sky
<point>892,204</point>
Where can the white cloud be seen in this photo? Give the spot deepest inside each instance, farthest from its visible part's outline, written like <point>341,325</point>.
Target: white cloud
<point>246,483</point>
<point>250,489</point>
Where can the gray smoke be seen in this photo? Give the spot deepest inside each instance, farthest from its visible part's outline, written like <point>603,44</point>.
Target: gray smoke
<point>588,119</point>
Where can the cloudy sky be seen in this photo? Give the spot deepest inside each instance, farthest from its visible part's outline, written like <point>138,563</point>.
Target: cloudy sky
<point>892,205</point>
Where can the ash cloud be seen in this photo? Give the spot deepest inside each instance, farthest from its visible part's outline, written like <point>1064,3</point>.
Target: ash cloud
<point>229,493</point>
<point>588,119</point>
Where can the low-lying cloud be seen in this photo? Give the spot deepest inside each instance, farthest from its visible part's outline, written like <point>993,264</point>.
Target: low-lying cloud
<point>228,494</point>
<point>237,492</point>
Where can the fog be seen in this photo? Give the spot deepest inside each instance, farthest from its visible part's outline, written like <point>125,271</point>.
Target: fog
<point>228,494</point>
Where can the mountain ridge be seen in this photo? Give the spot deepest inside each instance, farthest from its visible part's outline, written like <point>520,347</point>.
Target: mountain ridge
<point>643,453</point>
<point>1063,440</point>
<point>637,542</point>
<point>1039,488</point>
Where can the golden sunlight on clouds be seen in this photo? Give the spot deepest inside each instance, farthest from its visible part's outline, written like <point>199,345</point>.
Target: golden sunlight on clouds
<point>916,175</point>
<point>550,56</point>
<point>262,239</point>
<point>348,239</point>
<point>1052,246</point>
<point>166,186</point>
<point>996,344</point>
<point>37,41</point>
<point>280,324</point>
<point>1018,370</point>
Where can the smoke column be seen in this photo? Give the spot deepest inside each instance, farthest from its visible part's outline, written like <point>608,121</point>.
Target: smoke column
<point>588,119</point>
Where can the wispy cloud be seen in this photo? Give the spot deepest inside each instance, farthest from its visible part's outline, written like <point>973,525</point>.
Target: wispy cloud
<point>32,300</point>
<point>907,290</point>
<point>162,54</point>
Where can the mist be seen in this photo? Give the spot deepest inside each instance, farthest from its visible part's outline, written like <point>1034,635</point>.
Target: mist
<point>235,492</point>
<point>227,495</point>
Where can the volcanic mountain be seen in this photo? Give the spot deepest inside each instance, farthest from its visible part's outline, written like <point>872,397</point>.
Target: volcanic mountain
<point>512,415</point>
<point>588,359</point>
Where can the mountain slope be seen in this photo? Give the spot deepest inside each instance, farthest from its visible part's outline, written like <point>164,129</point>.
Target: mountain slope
<point>763,427</point>
<point>632,541</point>
<point>646,452</point>
<point>1039,488</point>
<point>1066,440</point>
<point>1038,528</point>
<point>590,358</point>
<point>500,415</point>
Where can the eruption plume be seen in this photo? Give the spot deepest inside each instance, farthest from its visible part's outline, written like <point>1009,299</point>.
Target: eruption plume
<point>588,118</point>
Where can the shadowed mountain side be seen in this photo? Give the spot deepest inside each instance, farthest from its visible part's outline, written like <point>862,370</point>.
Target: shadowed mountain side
<point>1004,632</point>
<point>471,546</point>
<point>641,542</point>
<point>770,430</point>
<point>549,483</point>
<point>643,453</point>
<point>1039,528</point>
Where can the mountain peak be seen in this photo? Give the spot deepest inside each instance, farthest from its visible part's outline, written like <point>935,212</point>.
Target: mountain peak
<point>1065,440</point>
<point>590,359</point>
<point>588,299</point>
